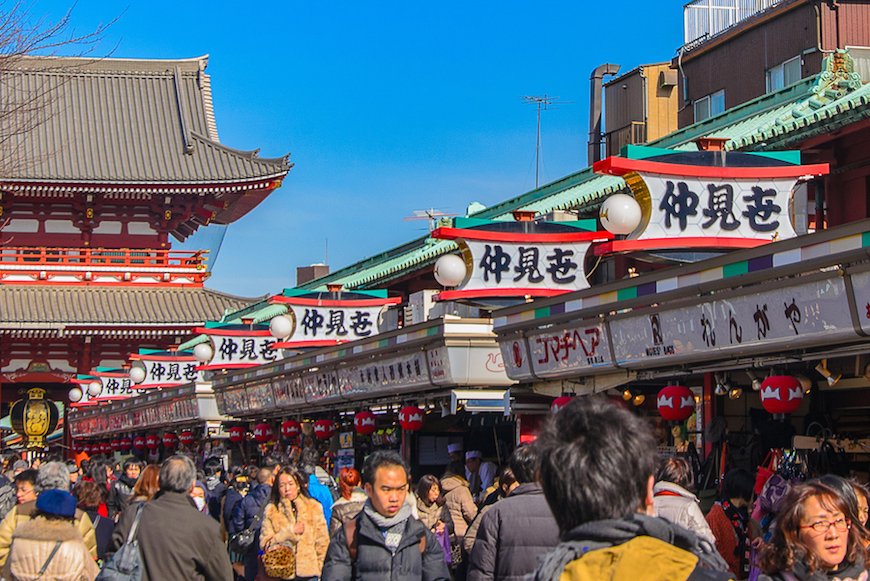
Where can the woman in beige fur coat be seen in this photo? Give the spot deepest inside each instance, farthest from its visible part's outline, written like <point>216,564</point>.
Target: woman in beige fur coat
<point>294,519</point>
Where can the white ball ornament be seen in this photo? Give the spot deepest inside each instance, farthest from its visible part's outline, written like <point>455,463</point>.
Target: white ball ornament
<point>620,214</point>
<point>450,270</point>
<point>137,374</point>
<point>95,388</point>
<point>203,352</point>
<point>281,327</point>
<point>76,394</point>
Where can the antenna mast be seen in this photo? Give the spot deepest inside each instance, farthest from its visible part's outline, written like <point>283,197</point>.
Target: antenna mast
<point>542,102</point>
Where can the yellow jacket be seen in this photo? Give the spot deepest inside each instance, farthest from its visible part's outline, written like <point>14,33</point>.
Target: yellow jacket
<point>24,512</point>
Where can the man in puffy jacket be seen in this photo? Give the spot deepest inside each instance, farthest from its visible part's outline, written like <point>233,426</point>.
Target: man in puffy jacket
<point>385,542</point>
<point>516,530</point>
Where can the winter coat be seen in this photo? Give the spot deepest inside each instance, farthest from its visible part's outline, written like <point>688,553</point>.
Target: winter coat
<point>725,536</point>
<point>345,509</point>
<point>512,535</point>
<point>24,512</point>
<point>232,498</point>
<point>103,529</point>
<point>457,497</point>
<point>800,573</point>
<point>32,544</point>
<point>471,533</point>
<point>375,562</point>
<point>249,507</point>
<point>321,494</point>
<point>214,493</point>
<point>637,548</point>
<point>310,546</point>
<point>176,541</point>
<point>120,494</point>
<point>431,514</point>
<point>678,505</point>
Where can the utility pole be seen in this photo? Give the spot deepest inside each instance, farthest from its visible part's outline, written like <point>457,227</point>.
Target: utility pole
<point>541,102</point>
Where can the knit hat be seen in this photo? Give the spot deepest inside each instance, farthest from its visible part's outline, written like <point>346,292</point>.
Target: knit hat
<point>56,502</point>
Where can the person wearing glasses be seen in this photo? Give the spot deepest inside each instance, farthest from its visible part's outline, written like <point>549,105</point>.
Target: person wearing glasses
<point>815,539</point>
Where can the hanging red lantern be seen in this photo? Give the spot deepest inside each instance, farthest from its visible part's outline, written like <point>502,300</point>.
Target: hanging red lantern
<point>140,443</point>
<point>152,442</point>
<point>125,443</point>
<point>85,447</point>
<point>290,429</point>
<point>675,403</point>
<point>170,440</point>
<point>560,402</point>
<point>106,448</point>
<point>781,394</point>
<point>237,434</point>
<point>263,433</point>
<point>187,438</point>
<point>364,423</point>
<point>411,418</point>
<point>324,429</point>
<point>115,445</point>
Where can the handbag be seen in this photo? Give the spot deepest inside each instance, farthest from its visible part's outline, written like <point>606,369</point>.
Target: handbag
<point>243,540</point>
<point>126,564</point>
<point>765,471</point>
<point>280,562</point>
<point>444,541</point>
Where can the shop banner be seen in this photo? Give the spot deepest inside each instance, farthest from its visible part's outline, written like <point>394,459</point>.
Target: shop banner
<point>388,374</point>
<point>236,351</point>
<point>168,373</point>
<point>558,351</point>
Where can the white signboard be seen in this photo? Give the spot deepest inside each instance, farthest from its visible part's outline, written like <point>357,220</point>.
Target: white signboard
<point>527,265</point>
<point>333,323</point>
<point>391,373</point>
<point>114,388</point>
<point>711,207</point>
<point>163,373</point>
<point>557,351</point>
<point>516,358</point>
<point>241,351</point>
<point>770,319</point>
<point>861,286</point>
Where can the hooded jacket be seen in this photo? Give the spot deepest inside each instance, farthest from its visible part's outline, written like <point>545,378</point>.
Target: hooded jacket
<point>345,509</point>
<point>24,512</point>
<point>458,500</point>
<point>678,505</point>
<point>638,548</point>
<point>120,494</point>
<point>32,544</point>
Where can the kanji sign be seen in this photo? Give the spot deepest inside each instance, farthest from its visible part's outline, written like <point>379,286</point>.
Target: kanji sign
<point>237,349</point>
<point>166,369</point>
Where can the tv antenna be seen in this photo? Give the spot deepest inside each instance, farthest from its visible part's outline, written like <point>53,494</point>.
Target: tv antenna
<point>432,215</point>
<point>542,103</point>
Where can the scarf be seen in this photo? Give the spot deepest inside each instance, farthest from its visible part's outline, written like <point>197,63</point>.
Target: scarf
<point>391,527</point>
<point>739,518</point>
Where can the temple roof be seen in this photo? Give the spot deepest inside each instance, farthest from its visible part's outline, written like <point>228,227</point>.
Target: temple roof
<point>117,121</point>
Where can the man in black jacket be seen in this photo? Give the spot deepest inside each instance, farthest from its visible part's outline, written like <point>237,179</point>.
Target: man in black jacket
<point>384,542</point>
<point>122,488</point>
<point>516,530</point>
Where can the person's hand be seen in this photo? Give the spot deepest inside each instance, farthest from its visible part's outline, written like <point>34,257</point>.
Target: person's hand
<point>439,527</point>
<point>299,528</point>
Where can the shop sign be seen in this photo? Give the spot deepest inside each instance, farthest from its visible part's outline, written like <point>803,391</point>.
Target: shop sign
<point>861,286</point>
<point>779,318</point>
<point>405,371</point>
<point>288,390</point>
<point>239,351</point>
<point>232,402</point>
<point>164,372</point>
<point>260,396</point>
<point>555,352</point>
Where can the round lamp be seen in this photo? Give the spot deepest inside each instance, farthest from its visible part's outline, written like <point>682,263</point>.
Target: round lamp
<point>620,214</point>
<point>450,270</point>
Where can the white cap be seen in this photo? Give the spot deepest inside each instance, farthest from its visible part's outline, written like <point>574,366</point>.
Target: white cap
<point>454,448</point>
<point>473,454</point>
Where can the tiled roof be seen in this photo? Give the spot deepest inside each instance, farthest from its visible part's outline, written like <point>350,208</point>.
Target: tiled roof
<point>117,121</point>
<point>777,120</point>
<point>35,306</point>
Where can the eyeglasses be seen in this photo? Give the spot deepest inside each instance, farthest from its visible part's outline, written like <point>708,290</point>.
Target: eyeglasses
<point>822,526</point>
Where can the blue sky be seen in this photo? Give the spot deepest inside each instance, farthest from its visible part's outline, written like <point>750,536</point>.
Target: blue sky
<point>386,107</point>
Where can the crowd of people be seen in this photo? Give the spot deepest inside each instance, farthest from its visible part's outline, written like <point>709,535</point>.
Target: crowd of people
<point>587,500</point>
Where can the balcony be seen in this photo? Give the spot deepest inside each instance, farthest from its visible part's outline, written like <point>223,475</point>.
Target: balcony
<point>632,134</point>
<point>704,19</point>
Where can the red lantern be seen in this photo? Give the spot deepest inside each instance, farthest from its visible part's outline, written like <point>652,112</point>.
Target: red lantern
<point>170,440</point>
<point>675,403</point>
<point>187,438</point>
<point>324,429</point>
<point>411,418</point>
<point>560,402</point>
<point>781,394</point>
<point>263,433</point>
<point>106,448</point>
<point>290,429</point>
<point>140,443</point>
<point>237,434</point>
<point>125,443</point>
<point>85,447</point>
<point>364,423</point>
<point>115,445</point>
<point>152,442</point>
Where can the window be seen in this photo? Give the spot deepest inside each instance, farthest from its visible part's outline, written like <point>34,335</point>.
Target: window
<point>783,74</point>
<point>708,106</point>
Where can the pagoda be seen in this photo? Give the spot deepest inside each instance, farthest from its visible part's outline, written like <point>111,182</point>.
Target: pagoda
<point>103,164</point>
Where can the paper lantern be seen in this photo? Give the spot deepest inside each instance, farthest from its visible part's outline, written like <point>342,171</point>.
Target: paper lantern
<point>364,423</point>
<point>450,270</point>
<point>237,434</point>
<point>281,327</point>
<point>115,445</point>
<point>324,429</point>
<point>170,440</point>
<point>85,447</point>
<point>137,374</point>
<point>675,403</point>
<point>781,394</point>
<point>263,433</point>
<point>152,441</point>
<point>290,429</point>
<point>411,418</point>
<point>106,448</point>
<point>620,214</point>
<point>140,443</point>
<point>125,444</point>
<point>34,418</point>
<point>187,438</point>
<point>560,402</point>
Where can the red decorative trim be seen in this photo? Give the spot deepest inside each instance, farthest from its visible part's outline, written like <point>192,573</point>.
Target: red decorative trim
<point>231,332</point>
<point>140,357</point>
<point>157,385</point>
<point>108,374</point>
<point>226,366</point>
<point>303,344</point>
<point>445,233</point>
<point>498,292</point>
<point>620,166</point>
<point>692,242</point>
<point>111,398</point>
<point>280,299</point>
<point>84,404</point>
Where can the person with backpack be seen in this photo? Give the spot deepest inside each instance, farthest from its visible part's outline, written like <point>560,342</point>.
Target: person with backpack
<point>384,542</point>
<point>248,516</point>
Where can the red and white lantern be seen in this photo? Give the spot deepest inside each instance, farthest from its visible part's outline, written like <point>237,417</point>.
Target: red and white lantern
<point>187,438</point>
<point>106,448</point>
<point>115,445</point>
<point>364,423</point>
<point>126,443</point>
<point>781,394</point>
<point>675,403</point>
<point>237,434</point>
<point>263,433</point>
<point>324,429</point>
<point>290,429</point>
<point>85,447</point>
<point>170,440</point>
<point>411,418</point>
<point>560,402</point>
<point>140,443</point>
<point>152,442</point>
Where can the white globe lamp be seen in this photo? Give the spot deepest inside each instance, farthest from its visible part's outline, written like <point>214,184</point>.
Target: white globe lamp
<point>281,327</point>
<point>203,352</point>
<point>450,270</point>
<point>137,374</point>
<point>95,388</point>
<point>620,214</point>
<point>76,394</point>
